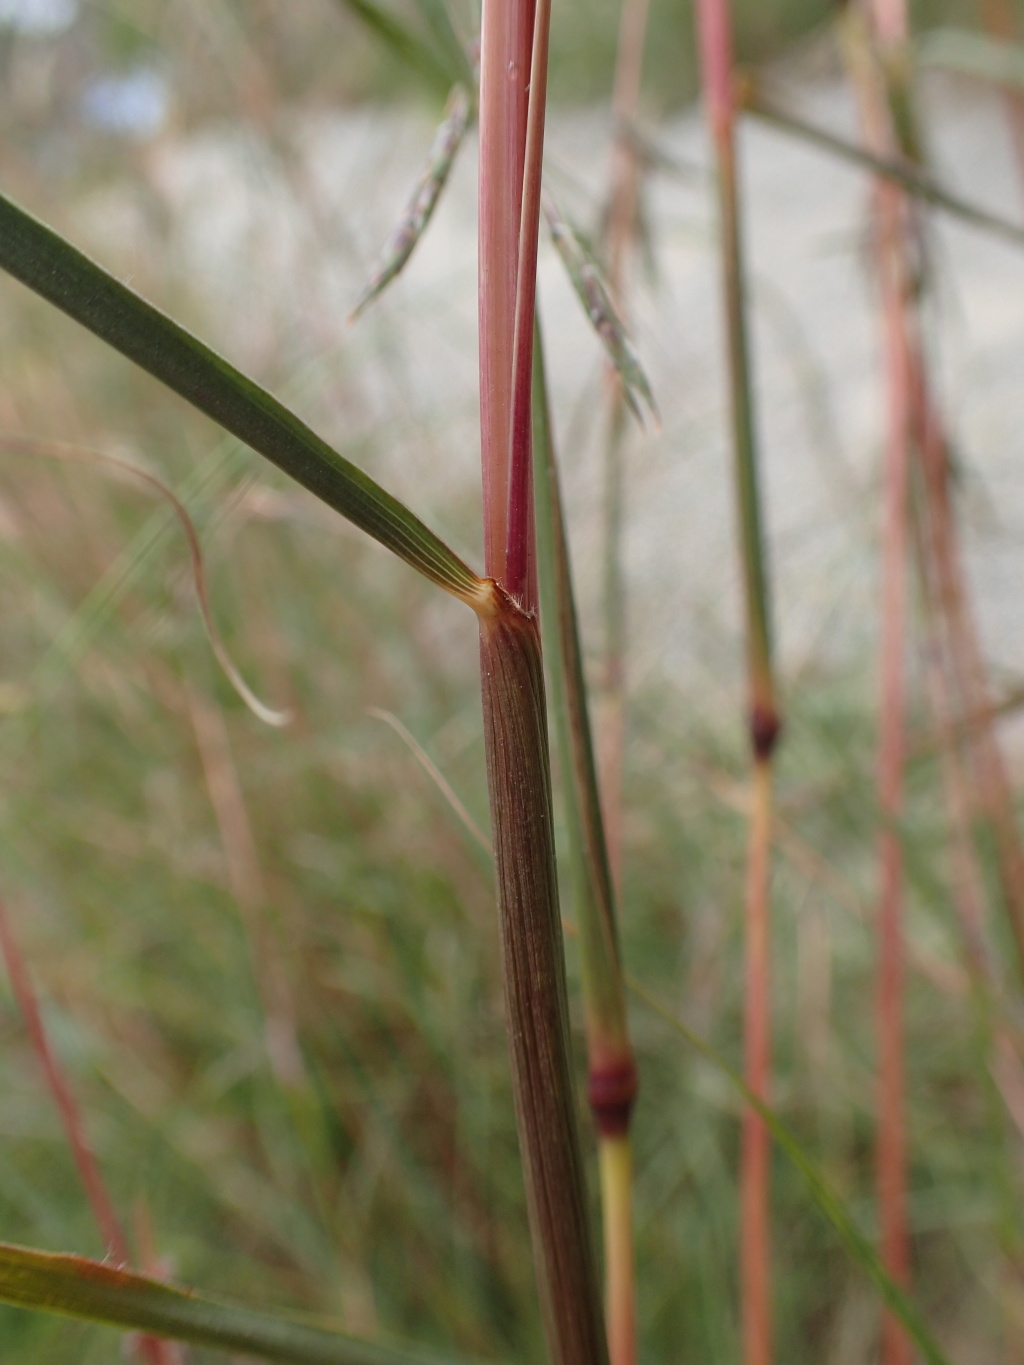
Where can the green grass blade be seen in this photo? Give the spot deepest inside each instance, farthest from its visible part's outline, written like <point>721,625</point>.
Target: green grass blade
<point>43,260</point>
<point>406,44</point>
<point>91,1290</point>
<point>438,20</point>
<point>604,989</point>
<point>828,1202</point>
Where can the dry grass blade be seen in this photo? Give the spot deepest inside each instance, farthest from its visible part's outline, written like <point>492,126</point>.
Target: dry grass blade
<point>28,445</point>
<point>435,774</point>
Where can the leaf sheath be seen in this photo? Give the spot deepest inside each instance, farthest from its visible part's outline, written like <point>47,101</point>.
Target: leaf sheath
<point>515,731</point>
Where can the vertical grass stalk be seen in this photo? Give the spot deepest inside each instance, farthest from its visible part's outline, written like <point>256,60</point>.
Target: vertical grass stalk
<point>512,101</point>
<point>619,237</point>
<point>612,1081</point>
<point>896,284</point>
<point>515,733</point>
<point>715,42</point>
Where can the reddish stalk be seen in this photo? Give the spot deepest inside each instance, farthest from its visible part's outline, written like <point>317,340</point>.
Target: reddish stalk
<point>763,715</point>
<point>891,1149</point>
<point>506,41</point>
<point>515,732</point>
<point>512,105</point>
<point>520,562</point>
<point>895,285</point>
<point>156,1352</point>
<point>620,233</point>
<point>994,795</point>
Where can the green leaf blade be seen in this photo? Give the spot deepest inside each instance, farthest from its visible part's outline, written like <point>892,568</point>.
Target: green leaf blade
<point>73,1286</point>
<point>41,259</point>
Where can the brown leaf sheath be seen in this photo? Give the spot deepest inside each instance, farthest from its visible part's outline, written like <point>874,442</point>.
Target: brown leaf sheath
<point>515,731</point>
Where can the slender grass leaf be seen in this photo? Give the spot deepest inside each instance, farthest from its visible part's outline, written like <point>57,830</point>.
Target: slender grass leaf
<point>588,282</point>
<point>915,181</point>
<point>406,44</point>
<point>828,1202</point>
<point>81,1288</point>
<point>58,450</point>
<point>420,208</point>
<point>438,20</point>
<point>43,260</point>
<point>612,1081</point>
<point>604,988</point>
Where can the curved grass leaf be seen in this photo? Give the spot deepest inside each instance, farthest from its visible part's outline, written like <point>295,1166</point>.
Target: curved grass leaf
<point>59,450</point>
<point>899,1303</point>
<point>81,1288</point>
<point>43,260</point>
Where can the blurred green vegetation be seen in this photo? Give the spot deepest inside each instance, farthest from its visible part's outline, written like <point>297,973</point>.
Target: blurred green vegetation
<point>289,1047</point>
<point>247,54</point>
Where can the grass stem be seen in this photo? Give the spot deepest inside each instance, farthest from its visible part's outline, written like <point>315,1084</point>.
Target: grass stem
<point>763,717</point>
<point>615,1160</point>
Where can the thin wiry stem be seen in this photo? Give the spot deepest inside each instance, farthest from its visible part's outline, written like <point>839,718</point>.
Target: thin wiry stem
<point>763,717</point>
<point>612,1080</point>
<point>895,284</point>
<point>152,1350</point>
<point>512,103</point>
<point>506,40</point>
<point>619,238</point>
<point>520,562</point>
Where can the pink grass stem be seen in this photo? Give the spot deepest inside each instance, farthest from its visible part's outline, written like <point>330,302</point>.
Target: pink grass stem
<point>891,1140</point>
<point>520,567</point>
<point>505,46</point>
<point>88,1170</point>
